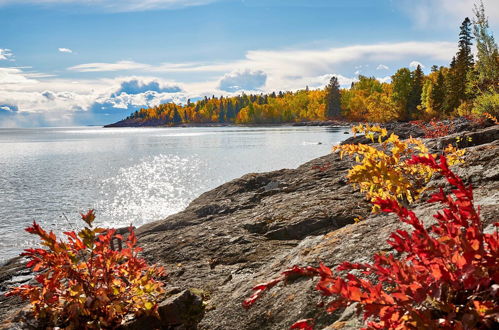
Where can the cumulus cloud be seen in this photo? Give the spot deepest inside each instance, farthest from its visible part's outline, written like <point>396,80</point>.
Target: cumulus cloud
<point>243,80</point>
<point>104,100</point>
<point>58,102</point>
<point>136,86</point>
<point>115,5</point>
<point>65,50</point>
<point>5,54</point>
<point>14,75</point>
<point>382,67</point>
<point>414,64</point>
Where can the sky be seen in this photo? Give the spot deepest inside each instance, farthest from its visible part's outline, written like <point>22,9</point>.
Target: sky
<point>93,62</point>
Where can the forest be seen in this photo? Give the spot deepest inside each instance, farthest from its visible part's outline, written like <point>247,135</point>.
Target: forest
<point>468,86</point>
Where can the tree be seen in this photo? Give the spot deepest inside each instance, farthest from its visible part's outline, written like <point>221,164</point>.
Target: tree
<point>438,94</point>
<point>333,98</point>
<point>487,66</point>
<point>176,116</point>
<point>402,87</point>
<point>417,88</point>
<point>460,68</point>
<point>464,59</point>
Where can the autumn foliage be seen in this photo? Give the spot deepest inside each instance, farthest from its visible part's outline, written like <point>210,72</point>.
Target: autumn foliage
<point>434,128</point>
<point>89,281</point>
<point>447,276</point>
<point>386,171</point>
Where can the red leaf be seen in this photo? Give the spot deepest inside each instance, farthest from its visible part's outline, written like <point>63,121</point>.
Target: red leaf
<point>89,217</point>
<point>306,324</point>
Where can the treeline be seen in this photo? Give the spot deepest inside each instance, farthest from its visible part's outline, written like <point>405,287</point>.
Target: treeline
<point>468,85</point>
<point>246,108</point>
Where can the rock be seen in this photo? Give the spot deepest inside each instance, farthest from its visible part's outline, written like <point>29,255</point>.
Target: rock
<point>468,139</point>
<point>248,230</point>
<point>183,310</point>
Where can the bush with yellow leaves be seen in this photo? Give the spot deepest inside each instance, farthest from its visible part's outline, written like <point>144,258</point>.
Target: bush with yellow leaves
<point>383,172</point>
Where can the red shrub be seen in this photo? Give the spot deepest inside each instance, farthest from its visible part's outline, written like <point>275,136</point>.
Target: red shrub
<point>447,277</point>
<point>85,283</point>
<point>434,128</point>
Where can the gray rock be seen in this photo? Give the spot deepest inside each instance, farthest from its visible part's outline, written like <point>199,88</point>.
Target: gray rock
<point>183,310</point>
<point>248,230</point>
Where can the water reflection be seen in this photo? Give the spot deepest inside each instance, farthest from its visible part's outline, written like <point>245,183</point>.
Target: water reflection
<point>133,175</point>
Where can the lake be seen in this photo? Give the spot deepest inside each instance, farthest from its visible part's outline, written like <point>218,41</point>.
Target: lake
<point>133,175</point>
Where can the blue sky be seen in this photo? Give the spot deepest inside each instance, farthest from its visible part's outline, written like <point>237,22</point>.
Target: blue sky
<point>74,62</point>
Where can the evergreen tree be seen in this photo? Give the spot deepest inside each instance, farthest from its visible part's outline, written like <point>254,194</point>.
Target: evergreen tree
<point>487,66</point>
<point>464,59</point>
<point>231,114</point>
<point>176,116</point>
<point>333,98</point>
<point>414,99</point>
<point>438,93</point>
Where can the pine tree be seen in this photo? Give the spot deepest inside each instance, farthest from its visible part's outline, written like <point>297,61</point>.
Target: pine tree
<point>333,97</point>
<point>176,116</point>
<point>438,93</point>
<point>451,100</point>
<point>487,66</point>
<point>414,99</point>
<point>464,60</point>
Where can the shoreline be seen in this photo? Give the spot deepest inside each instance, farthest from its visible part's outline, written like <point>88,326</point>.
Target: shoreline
<point>327,123</point>
<point>247,230</point>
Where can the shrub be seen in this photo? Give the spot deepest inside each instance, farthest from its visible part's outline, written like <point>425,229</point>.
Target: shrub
<point>385,172</point>
<point>86,282</point>
<point>434,128</point>
<point>491,118</point>
<point>487,102</point>
<point>447,276</point>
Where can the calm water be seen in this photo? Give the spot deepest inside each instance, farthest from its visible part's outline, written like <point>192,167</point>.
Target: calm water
<point>132,175</point>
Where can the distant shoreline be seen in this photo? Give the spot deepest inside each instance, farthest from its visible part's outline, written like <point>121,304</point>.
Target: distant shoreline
<point>326,123</point>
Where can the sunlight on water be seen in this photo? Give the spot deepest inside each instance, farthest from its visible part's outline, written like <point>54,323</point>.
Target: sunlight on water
<point>132,175</point>
<point>159,186</point>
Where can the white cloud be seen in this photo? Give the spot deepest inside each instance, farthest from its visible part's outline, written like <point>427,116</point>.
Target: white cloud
<point>115,5</point>
<point>300,62</point>
<point>14,76</point>
<point>266,70</point>
<point>414,64</point>
<point>65,50</point>
<point>55,101</point>
<point>382,67</point>
<point>448,13</point>
<point>243,80</point>
<point>386,79</point>
<point>6,54</point>
<point>103,67</point>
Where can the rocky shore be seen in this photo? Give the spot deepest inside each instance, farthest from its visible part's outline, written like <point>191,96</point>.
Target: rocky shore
<point>248,230</point>
<point>159,123</point>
